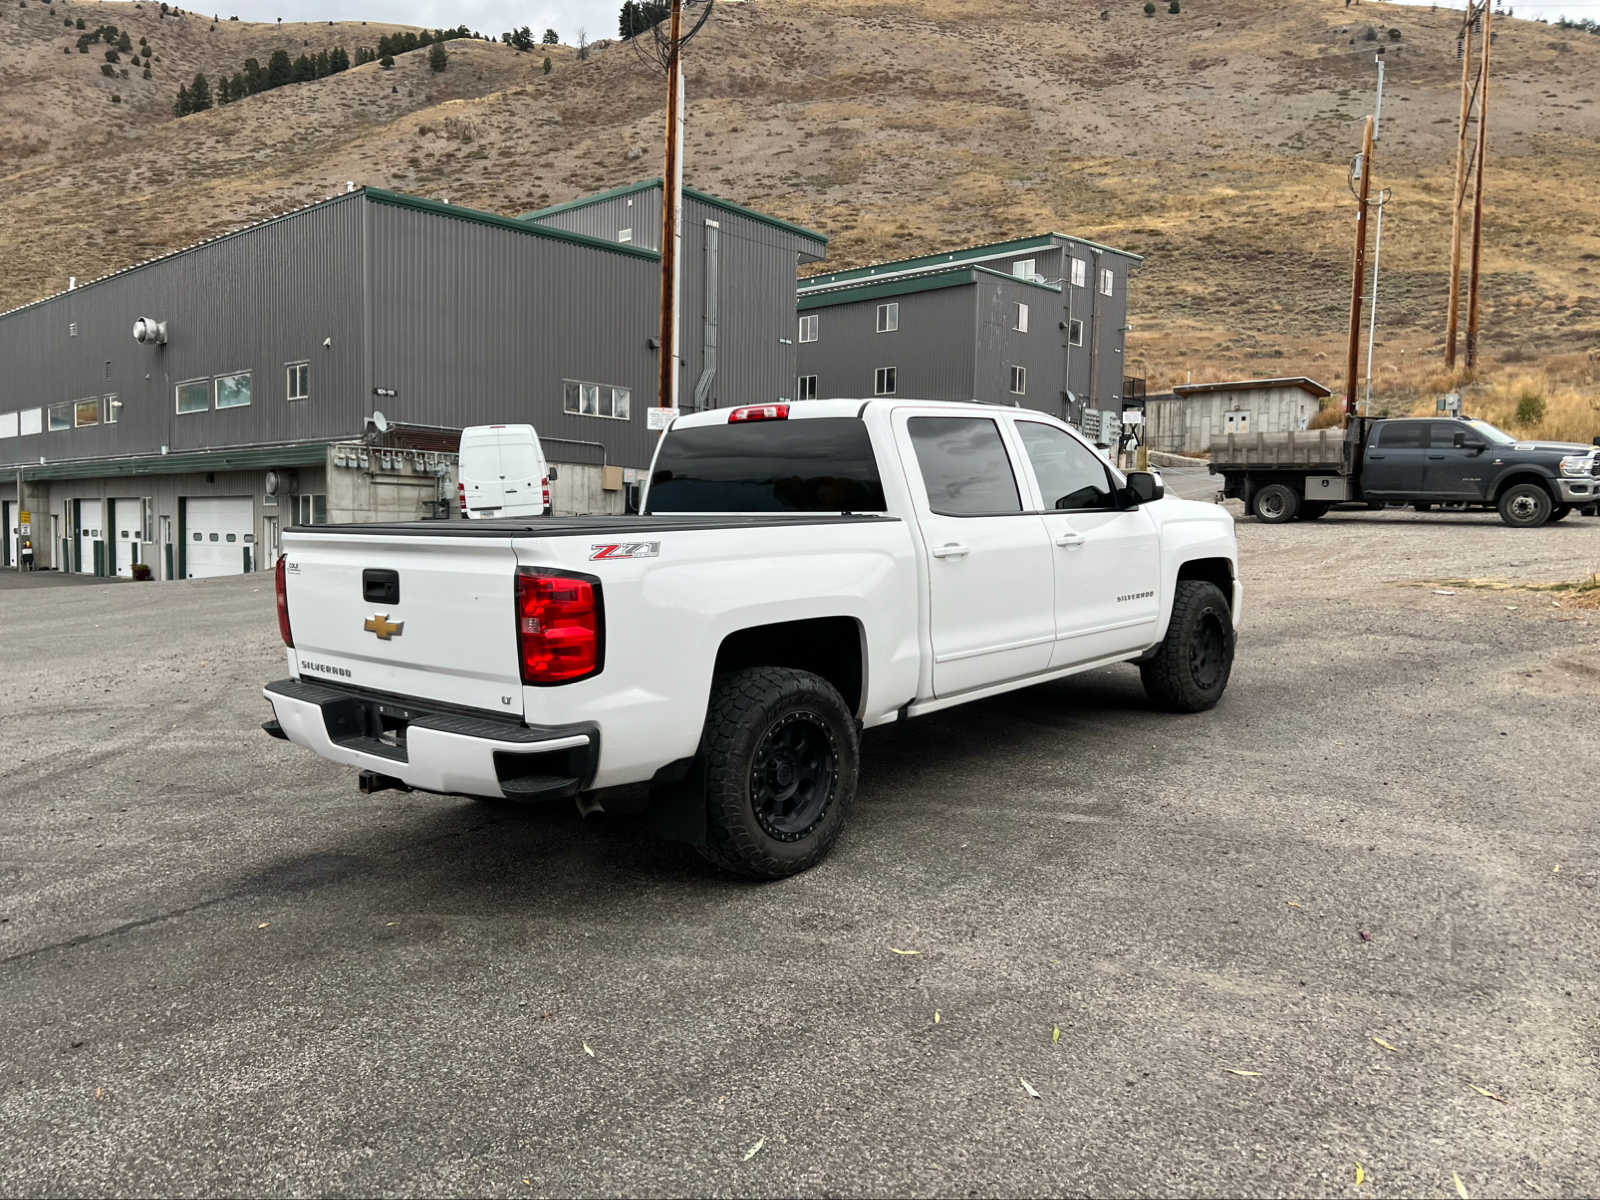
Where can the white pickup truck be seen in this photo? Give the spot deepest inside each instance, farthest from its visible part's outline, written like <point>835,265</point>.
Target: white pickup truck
<point>800,573</point>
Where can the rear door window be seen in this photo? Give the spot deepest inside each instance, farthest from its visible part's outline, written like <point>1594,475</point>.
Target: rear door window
<point>964,466</point>
<point>1402,435</point>
<point>822,464</point>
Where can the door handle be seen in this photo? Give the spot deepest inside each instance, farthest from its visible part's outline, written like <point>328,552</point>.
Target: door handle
<point>1436,456</point>
<point>950,550</point>
<point>1069,539</point>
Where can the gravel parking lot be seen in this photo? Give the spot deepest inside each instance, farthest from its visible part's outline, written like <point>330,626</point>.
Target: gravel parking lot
<point>224,970</point>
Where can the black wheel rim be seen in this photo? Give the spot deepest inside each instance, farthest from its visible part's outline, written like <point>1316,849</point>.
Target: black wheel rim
<point>1208,653</point>
<point>793,775</point>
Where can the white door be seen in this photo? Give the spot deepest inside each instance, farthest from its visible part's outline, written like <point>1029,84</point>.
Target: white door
<point>126,515</point>
<point>1107,560</point>
<point>990,588</point>
<point>90,531</point>
<point>218,529</point>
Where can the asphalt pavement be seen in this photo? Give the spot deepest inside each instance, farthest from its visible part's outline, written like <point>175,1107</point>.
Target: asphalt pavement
<point>1345,921</point>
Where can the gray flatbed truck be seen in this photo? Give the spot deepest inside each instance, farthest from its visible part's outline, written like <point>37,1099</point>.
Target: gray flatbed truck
<point>1424,462</point>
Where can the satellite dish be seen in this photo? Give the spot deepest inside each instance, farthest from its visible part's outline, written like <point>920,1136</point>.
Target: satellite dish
<point>379,421</point>
<point>273,482</point>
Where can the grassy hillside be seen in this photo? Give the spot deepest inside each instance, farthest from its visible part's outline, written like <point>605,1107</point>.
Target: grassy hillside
<point>1214,142</point>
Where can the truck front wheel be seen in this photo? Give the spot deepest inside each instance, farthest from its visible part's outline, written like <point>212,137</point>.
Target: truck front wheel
<point>1525,505</point>
<point>779,757</point>
<point>1190,669</point>
<point>1275,503</point>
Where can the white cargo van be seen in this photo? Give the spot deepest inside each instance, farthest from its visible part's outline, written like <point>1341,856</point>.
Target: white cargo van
<point>503,472</point>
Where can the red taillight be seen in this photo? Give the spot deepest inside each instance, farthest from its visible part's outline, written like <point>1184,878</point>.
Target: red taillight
<point>759,412</point>
<point>547,495</point>
<point>461,491</point>
<point>559,626</point>
<point>283,602</point>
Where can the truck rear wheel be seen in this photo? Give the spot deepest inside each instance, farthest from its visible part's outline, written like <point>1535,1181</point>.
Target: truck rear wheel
<point>1525,505</point>
<point>779,756</point>
<point>1189,670</point>
<point>1275,503</point>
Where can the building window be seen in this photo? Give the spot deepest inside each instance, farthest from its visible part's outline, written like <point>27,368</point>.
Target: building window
<point>110,409</point>
<point>1108,281</point>
<point>29,422</point>
<point>61,416</point>
<point>1019,381</point>
<point>888,317</point>
<point>1024,269</point>
<point>194,396</point>
<point>86,412</point>
<point>233,391</point>
<point>1075,333</point>
<point>807,389</point>
<point>883,381</point>
<point>8,425</point>
<point>1022,318</point>
<point>313,510</point>
<point>624,235</point>
<point>596,400</point>
<point>808,327</point>
<point>298,380</point>
<point>1080,273</point>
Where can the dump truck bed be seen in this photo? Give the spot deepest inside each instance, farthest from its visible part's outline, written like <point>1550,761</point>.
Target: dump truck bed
<point>1303,450</point>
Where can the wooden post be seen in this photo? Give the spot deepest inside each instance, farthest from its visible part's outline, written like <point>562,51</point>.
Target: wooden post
<point>1459,196</point>
<point>1477,197</point>
<point>667,391</point>
<point>1352,356</point>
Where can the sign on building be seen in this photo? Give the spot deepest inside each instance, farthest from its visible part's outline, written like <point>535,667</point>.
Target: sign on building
<point>657,417</point>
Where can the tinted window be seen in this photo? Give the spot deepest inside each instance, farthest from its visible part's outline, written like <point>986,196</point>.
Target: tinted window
<point>964,465</point>
<point>1070,475</point>
<point>1401,435</point>
<point>820,465</point>
<point>1442,434</point>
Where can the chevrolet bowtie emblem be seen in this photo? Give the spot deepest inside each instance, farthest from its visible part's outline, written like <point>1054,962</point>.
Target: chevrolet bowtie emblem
<point>380,624</point>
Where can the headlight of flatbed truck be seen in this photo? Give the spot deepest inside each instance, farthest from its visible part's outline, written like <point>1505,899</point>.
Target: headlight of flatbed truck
<point>1577,464</point>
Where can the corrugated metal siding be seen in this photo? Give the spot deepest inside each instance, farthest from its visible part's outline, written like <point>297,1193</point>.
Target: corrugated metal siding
<point>474,324</point>
<point>640,212</point>
<point>932,351</point>
<point>1001,346</point>
<point>254,301</point>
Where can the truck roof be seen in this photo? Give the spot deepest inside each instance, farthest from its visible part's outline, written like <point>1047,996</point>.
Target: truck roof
<point>836,407</point>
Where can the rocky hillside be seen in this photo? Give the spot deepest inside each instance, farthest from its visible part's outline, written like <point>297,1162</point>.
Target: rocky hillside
<point>1214,142</point>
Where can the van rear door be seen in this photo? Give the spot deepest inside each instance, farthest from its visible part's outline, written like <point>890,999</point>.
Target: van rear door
<point>522,476</point>
<point>481,472</point>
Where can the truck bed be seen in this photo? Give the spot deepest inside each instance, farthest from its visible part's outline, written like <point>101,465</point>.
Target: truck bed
<point>1306,450</point>
<point>550,527</point>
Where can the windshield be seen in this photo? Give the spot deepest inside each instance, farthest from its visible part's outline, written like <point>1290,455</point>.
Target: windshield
<point>1498,436</point>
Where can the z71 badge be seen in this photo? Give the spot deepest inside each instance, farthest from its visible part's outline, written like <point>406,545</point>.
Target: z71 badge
<point>607,550</point>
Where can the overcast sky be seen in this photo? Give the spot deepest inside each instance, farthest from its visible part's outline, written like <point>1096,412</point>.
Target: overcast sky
<point>599,17</point>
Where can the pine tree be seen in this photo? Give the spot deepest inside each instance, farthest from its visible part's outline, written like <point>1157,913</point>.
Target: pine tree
<point>438,57</point>
<point>279,69</point>
<point>254,77</point>
<point>547,64</point>
<point>387,62</point>
<point>339,60</point>
<point>181,107</point>
<point>304,69</point>
<point>199,93</point>
<point>550,38</point>
<point>322,63</point>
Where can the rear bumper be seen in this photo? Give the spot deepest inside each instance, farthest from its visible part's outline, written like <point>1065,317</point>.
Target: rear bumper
<point>430,750</point>
<point>1582,490</point>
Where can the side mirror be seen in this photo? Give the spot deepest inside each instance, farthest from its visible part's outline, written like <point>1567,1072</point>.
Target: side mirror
<point>554,474</point>
<point>1143,487</point>
<point>1597,441</point>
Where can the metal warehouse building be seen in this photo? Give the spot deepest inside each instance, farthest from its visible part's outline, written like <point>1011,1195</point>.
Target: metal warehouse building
<point>1038,322</point>
<point>246,407</point>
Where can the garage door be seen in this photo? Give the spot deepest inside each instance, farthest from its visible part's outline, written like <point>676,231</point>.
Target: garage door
<point>89,532</point>
<point>217,531</point>
<point>126,515</point>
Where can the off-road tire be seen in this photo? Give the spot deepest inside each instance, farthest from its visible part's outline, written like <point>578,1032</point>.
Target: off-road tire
<point>1559,511</point>
<point>753,711</point>
<point>1275,503</point>
<point>1189,671</point>
<point>1311,510</point>
<point>1525,505</point>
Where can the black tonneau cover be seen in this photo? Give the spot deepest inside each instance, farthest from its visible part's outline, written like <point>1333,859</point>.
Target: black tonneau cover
<point>525,527</point>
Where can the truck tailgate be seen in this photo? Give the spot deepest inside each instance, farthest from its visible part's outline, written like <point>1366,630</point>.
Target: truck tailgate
<point>431,618</point>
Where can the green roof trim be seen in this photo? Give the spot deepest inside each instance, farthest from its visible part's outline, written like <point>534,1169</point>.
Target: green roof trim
<point>251,458</point>
<point>496,221</point>
<point>645,185</point>
<point>969,254</point>
<point>928,282</point>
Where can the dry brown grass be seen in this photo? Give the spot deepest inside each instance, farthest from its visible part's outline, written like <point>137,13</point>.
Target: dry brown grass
<point>1213,143</point>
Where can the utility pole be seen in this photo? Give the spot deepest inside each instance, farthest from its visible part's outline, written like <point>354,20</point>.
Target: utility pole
<point>671,218</point>
<point>1460,194</point>
<point>1377,244</point>
<point>1477,195</point>
<point>1352,356</point>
